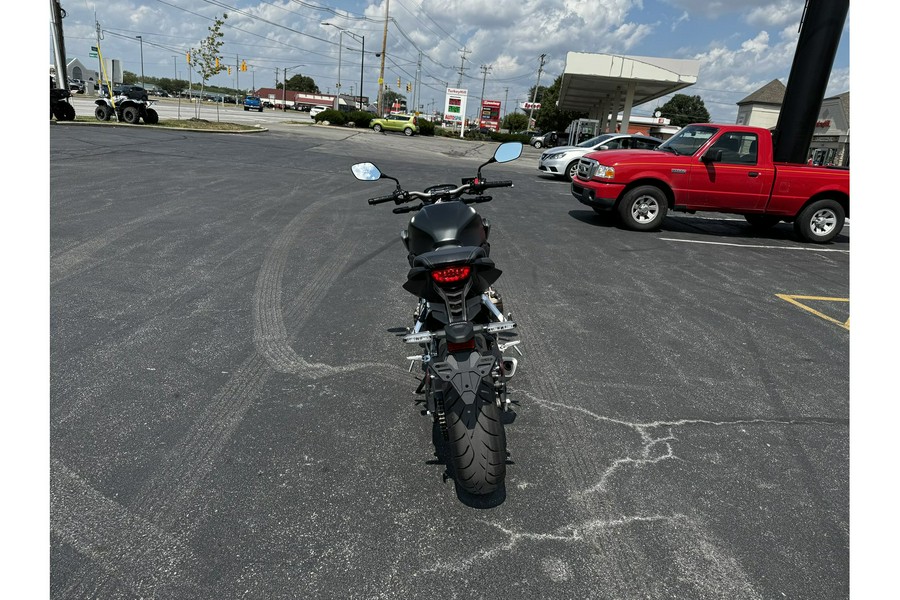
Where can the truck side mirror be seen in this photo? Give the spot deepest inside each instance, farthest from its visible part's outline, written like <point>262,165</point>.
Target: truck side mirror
<point>712,155</point>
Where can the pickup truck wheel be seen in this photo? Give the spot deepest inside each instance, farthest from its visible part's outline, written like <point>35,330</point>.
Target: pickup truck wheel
<point>762,222</point>
<point>246,108</point>
<point>643,208</point>
<point>820,222</point>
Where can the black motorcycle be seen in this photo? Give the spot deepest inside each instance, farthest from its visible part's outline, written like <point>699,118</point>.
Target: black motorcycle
<point>459,322</point>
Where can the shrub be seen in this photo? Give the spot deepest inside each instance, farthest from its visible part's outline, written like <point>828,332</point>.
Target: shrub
<point>426,127</point>
<point>361,118</point>
<point>334,117</point>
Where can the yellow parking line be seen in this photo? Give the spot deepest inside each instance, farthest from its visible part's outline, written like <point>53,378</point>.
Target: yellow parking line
<point>793,299</point>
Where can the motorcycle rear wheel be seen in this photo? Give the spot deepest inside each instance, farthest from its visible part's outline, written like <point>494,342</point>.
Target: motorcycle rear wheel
<point>476,445</point>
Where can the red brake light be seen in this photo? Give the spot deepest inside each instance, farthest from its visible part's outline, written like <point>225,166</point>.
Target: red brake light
<point>451,274</point>
<point>459,347</point>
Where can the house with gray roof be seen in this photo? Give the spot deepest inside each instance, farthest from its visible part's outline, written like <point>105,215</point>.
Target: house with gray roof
<point>831,137</point>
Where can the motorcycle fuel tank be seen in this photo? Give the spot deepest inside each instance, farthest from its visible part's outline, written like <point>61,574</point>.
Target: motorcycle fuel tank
<point>445,224</point>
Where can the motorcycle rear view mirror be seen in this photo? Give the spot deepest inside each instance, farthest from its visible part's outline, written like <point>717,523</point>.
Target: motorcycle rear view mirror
<point>507,152</point>
<point>366,172</point>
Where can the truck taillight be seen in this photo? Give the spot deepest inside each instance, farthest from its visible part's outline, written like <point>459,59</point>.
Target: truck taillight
<point>451,274</point>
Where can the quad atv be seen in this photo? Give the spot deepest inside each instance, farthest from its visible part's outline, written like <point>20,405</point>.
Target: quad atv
<point>126,109</point>
<point>59,105</point>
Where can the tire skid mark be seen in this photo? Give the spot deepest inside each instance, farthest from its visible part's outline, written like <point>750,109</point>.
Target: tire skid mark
<point>270,335</point>
<point>165,496</point>
<point>194,274</point>
<point>72,261</point>
<point>135,552</point>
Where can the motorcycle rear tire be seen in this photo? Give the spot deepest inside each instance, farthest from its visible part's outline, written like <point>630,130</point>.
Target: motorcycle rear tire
<point>476,447</point>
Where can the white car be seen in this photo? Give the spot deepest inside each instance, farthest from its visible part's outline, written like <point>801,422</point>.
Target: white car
<point>317,109</point>
<point>562,161</point>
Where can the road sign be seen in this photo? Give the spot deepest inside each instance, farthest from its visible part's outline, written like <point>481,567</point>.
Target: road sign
<point>93,55</point>
<point>94,49</point>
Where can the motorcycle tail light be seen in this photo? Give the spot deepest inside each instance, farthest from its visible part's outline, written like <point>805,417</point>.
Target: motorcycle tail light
<point>458,347</point>
<point>451,274</point>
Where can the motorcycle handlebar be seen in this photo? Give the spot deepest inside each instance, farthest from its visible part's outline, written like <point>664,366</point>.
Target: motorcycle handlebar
<point>382,199</point>
<point>494,184</point>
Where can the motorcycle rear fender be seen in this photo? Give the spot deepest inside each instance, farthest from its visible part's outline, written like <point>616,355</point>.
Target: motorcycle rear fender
<point>464,371</point>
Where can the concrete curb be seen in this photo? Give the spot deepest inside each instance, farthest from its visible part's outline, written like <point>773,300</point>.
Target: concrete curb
<point>144,125</point>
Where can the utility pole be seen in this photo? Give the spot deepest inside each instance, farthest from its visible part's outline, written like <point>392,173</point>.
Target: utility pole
<point>416,89</point>
<point>505,103</point>
<point>141,38</point>
<point>59,45</point>
<point>462,66</point>
<point>485,69</point>
<point>387,10</point>
<point>534,97</point>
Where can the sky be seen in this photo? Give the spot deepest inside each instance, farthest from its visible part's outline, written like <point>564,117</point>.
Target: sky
<point>741,46</point>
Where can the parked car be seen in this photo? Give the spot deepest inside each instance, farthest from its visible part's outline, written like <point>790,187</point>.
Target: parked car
<point>562,161</point>
<point>132,92</point>
<point>318,108</point>
<point>408,124</point>
<point>542,140</point>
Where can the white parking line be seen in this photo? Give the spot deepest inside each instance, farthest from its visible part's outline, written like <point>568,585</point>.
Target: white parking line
<point>757,246</point>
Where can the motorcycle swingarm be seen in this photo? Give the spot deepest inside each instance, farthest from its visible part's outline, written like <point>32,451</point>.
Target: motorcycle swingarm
<point>464,374</point>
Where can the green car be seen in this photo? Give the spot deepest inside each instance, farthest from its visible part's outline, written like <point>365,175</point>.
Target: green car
<point>408,124</point>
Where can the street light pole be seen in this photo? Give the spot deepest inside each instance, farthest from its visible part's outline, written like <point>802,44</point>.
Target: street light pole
<point>142,60</point>
<point>362,58</point>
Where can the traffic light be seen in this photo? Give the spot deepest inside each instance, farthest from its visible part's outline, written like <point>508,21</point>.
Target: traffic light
<point>408,87</point>
<point>229,70</point>
<point>243,65</point>
<point>398,83</point>
<point>217,63</point>
<point>189,57</point>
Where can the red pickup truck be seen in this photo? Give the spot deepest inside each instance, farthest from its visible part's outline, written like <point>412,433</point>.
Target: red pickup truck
<point>722,168</point>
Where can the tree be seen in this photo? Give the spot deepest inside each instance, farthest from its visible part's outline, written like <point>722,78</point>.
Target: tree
<point>389,96</point>
<point>302,83</point>
<point>549,117</point>
<point>129,78</point>
<point>684,110</point>
<point>207,58</point>
<point>515,122</point>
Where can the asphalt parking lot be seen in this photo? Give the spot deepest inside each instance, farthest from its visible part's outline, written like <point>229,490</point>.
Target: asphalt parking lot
<point>230,415</point>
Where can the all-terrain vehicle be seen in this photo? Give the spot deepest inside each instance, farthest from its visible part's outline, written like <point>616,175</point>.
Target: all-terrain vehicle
<point>126,109</point>
<point>59,105</point>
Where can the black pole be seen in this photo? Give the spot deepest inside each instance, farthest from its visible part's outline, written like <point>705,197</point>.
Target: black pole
<point>362,61</point>
<point>820,35</point>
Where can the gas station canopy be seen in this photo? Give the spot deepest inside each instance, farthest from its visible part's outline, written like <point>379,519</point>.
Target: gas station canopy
<point>605,85</point>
